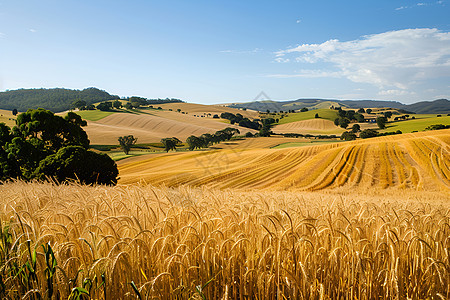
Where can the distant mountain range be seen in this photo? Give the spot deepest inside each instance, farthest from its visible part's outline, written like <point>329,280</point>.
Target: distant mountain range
<point>60,99</point>
<point>440,106</point>
<point>56,100</point>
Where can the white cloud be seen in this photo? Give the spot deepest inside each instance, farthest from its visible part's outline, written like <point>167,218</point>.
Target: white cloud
<point>282,60</point>
<point>256,50</point>
<point>308,74</point>
<point>394,93</point>
<point>298,21</point>
<point>401,7</point>
<point>394,60</point>
<point>2,34</point>
<point>33,30</point>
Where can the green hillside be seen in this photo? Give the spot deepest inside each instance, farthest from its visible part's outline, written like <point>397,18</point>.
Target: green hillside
<point>327,114</point>
<point>419,124</point>
<point>55,100</point>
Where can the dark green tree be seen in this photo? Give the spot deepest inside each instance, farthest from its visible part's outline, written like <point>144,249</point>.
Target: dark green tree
<point>356,128</point>
<point>34,147</point>
<point>343,122</point>
<point>78,104</point>
<point>368,133</point>
<point>348,136</point>
<point>316,116</point>
<point>381,122</point>
<point>104,106</point>
<point>128,105</point>
<point>117,104</point>
<point>170,143</point>
<point>14,111</point>
<point>126,142</point>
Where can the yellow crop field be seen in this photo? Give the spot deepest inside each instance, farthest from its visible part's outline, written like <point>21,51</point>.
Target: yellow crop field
<point>7,117</point>
<point>313,126</point>
<point>418,161</point>
<point>129,242</point>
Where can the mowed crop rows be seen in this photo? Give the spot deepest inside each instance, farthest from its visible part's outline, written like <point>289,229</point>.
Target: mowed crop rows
<point>162,243</point>
<point>418,161</point>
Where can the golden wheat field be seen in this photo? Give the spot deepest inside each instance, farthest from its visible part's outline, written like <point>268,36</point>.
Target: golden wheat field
<point>129,242</point>
<point>418,161</point>
<point>309,126</point>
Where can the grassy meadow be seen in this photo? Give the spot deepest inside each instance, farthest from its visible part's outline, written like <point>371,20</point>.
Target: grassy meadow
<point>418,124</point>
<point>324,113</point>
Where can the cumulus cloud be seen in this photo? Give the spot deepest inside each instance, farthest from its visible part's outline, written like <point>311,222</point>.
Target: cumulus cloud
<point>393,60</point>
<point>2,34</point>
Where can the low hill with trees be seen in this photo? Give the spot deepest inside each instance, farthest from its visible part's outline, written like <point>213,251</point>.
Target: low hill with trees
<point>56,100</point>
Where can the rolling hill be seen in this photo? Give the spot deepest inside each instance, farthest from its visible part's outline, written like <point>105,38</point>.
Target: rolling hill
<point>410,161</point>
<point>424,107</point>
<point>151,126</point>
<point>56,100</point>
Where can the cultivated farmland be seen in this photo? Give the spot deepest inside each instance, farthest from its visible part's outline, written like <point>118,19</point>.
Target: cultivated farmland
<point>160,243</point>
<point>418,161</point>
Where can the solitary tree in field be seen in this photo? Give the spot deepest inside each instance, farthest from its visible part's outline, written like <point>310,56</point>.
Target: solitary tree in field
<point>126,142</point>
<point>14,111</point>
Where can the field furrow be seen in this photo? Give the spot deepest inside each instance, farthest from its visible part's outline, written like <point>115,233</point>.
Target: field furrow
<point>417,161</point>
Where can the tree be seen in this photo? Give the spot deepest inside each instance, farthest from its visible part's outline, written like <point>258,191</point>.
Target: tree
<point>117,104</point>
<point>128,105</point>
<point>316,116</point>
<point>368,133</point>
<point>359,117</point>
<point>381,122</point>
<point>343,122</point>
<point>304,109</point>
<point>387,114</point>
<point>44,145</point>
<point>14,111</point>
<point>126,142</point>
<point>104,106</point>
<point>356,128</point>
<point>361,110</point>
<point>78,104</point>
<point>194,142</point>
<point>348,136</point>
<point>170,143</point>
<point>369,110</point>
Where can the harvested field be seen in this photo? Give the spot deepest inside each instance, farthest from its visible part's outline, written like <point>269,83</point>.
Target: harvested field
<point>309,126</point>
<point>418,161</point>
<point>150,128</point>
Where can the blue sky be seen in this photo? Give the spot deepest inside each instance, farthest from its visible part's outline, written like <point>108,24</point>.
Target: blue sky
<point>229,51</point>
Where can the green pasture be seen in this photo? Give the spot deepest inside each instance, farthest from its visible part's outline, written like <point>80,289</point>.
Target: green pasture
<point>327,114</point>
<point>418,124</point>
